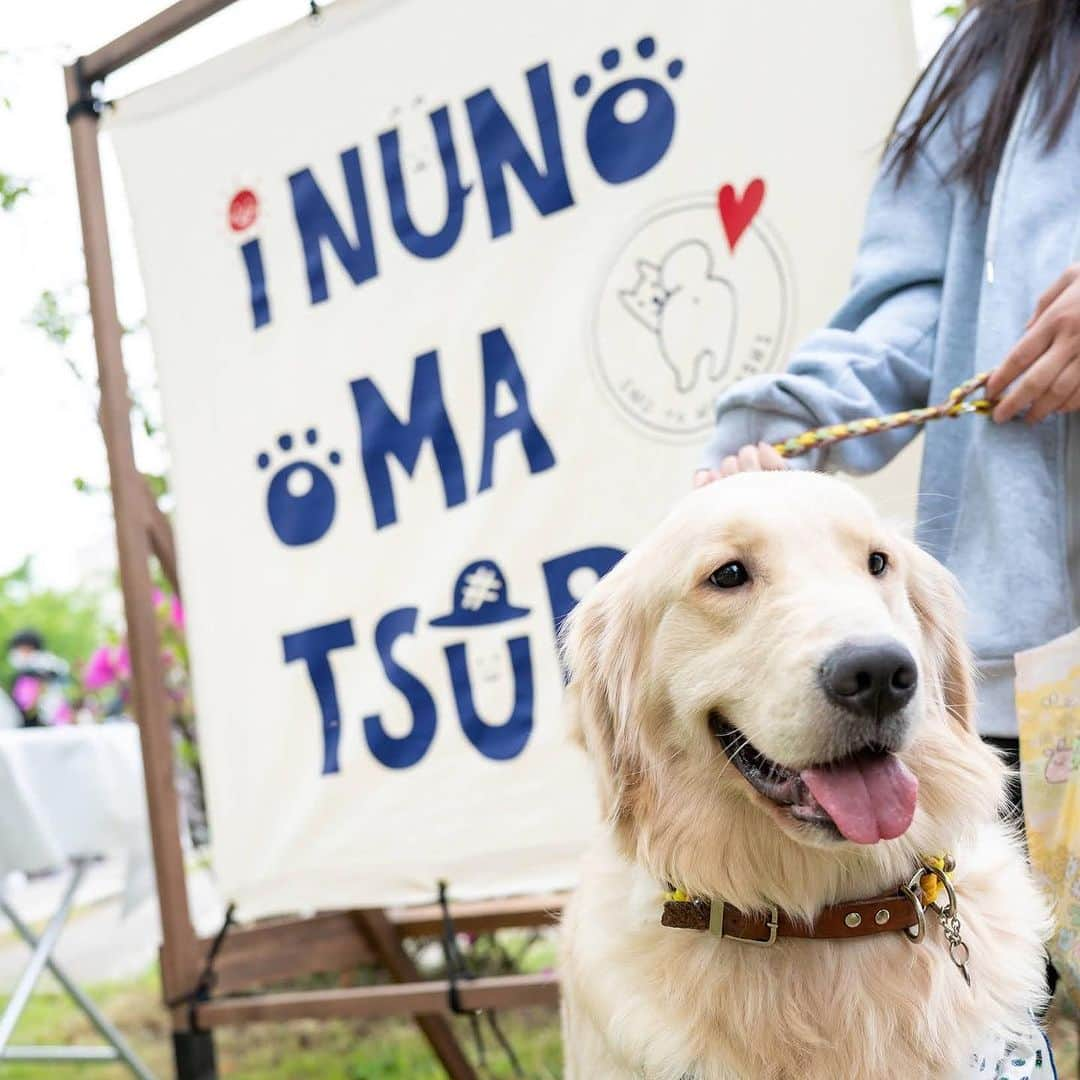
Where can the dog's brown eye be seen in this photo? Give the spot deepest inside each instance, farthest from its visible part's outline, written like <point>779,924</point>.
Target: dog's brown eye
<point>730,576</point>
<point>878,562</point>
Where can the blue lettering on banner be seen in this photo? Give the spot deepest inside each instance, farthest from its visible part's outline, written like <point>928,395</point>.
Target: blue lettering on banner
<point>500,742</point>
<point>558,571</point>
<point>522,175</point>
<point>399,752</point>
<point>425,245</point>
<point>253,264</point>
<point>317,222</point>
<point>622,150</point>
<point>495,741</point>
<point>301,501</point>
<point>314,647</point>
<point>382,434</point>
<point>619,151</point>
<point>501,366</point>
<point>498,147</point>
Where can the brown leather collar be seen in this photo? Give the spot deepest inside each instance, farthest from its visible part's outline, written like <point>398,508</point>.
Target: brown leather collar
<point>853,919</point>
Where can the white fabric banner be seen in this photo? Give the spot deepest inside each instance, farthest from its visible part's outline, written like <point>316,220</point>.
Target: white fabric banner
<point>441,297</point>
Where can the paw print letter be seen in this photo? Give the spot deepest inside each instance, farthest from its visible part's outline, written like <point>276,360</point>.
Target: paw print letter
<point>631,124</point>
<point>300,501</point>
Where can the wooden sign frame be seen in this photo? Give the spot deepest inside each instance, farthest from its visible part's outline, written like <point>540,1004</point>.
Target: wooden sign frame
<point>208,984</point>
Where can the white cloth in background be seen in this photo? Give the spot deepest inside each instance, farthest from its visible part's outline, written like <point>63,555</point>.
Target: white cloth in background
<point>1028,1057</point>
<point>10,716</point>
<point>71,792</point>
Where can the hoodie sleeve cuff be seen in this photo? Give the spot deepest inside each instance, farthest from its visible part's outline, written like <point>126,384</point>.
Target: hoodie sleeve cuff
<point>743,425</point>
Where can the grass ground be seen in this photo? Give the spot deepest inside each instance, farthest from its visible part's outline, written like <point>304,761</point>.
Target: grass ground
<point>306,1050</point>
<point>302,1050</point>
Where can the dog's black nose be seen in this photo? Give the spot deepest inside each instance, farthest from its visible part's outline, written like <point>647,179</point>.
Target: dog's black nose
<point>870,678</point>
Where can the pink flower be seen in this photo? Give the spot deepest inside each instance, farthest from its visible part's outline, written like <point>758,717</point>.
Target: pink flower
<point>100,670</point>
<point>63,714</point>
<point>107,664</point>
<point>26,691</point>
<point>170,604</point>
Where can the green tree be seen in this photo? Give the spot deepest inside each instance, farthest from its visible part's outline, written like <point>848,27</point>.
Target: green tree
<point>71,621</point>
<point>12,188</point>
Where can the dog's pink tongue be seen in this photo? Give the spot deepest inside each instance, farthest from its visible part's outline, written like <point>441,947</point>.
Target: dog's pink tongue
<point>869,798</point>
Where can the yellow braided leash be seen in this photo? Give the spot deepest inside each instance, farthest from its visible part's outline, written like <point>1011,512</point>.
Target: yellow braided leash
<point>834,433</point>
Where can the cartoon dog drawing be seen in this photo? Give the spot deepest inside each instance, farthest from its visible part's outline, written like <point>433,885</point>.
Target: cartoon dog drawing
<point>690,309</point>
<point>1058,763</point>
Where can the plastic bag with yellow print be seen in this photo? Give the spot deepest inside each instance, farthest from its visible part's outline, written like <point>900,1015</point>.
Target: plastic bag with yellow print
<point>1048,711</point>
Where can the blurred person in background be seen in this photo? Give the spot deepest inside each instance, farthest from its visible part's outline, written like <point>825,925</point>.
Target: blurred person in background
<point>40,681</point>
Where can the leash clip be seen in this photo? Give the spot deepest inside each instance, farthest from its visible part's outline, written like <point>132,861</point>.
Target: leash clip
<point>947,914</point>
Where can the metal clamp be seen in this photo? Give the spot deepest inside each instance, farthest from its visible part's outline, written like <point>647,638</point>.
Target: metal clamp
<point>716,926</point>
<point>87,103</point>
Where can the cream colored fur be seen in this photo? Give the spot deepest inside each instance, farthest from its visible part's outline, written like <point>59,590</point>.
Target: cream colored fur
<point>651,650</point>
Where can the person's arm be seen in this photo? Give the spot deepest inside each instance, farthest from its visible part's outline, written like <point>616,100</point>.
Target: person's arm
<point>874,357</point>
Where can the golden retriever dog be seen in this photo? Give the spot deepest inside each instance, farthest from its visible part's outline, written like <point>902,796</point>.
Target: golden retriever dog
<point>777,697</point>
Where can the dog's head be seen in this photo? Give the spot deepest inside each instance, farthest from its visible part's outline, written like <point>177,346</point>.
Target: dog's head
<point>772,679</point>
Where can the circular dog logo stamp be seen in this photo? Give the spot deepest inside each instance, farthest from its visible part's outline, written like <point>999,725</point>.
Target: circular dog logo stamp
<point>698,297</point>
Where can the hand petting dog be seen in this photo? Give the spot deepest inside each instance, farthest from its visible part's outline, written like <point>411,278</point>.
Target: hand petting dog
<point>760,458</point>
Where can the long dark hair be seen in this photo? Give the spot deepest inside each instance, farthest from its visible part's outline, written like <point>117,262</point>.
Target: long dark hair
<point>1022,39</point>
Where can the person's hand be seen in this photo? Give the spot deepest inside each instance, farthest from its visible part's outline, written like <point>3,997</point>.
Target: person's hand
<point>1047,357</point>
<point>760,458</point>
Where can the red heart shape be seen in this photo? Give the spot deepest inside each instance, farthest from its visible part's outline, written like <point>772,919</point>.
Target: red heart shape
<point>736,213</point>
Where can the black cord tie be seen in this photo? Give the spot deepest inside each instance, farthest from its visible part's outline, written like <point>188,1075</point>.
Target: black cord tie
<point>208,977</point>
<point>455,962</point>
<point>457,969</point>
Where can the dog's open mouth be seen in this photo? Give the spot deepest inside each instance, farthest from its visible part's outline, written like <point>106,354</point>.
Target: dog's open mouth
<point>866,797</point>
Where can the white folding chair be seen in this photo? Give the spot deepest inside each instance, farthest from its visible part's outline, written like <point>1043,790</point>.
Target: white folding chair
<point>116,1047</point>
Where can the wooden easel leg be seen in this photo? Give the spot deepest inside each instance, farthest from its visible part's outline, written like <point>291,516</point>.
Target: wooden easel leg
<point>386,945</point>
<point>193,1052</point>
<point>180,954</point>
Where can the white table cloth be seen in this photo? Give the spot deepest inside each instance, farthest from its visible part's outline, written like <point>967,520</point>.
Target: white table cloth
<point>72,792</point>
<point>10,716</point>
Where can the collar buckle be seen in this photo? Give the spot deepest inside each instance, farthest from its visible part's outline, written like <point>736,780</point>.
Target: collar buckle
<point>716,926</point>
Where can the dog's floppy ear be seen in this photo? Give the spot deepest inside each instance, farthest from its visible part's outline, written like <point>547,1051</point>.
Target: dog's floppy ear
<point>603,643</point>
<point>935,597</point>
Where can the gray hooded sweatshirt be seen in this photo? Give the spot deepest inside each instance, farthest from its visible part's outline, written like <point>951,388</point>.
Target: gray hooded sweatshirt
<point>943,286</point>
